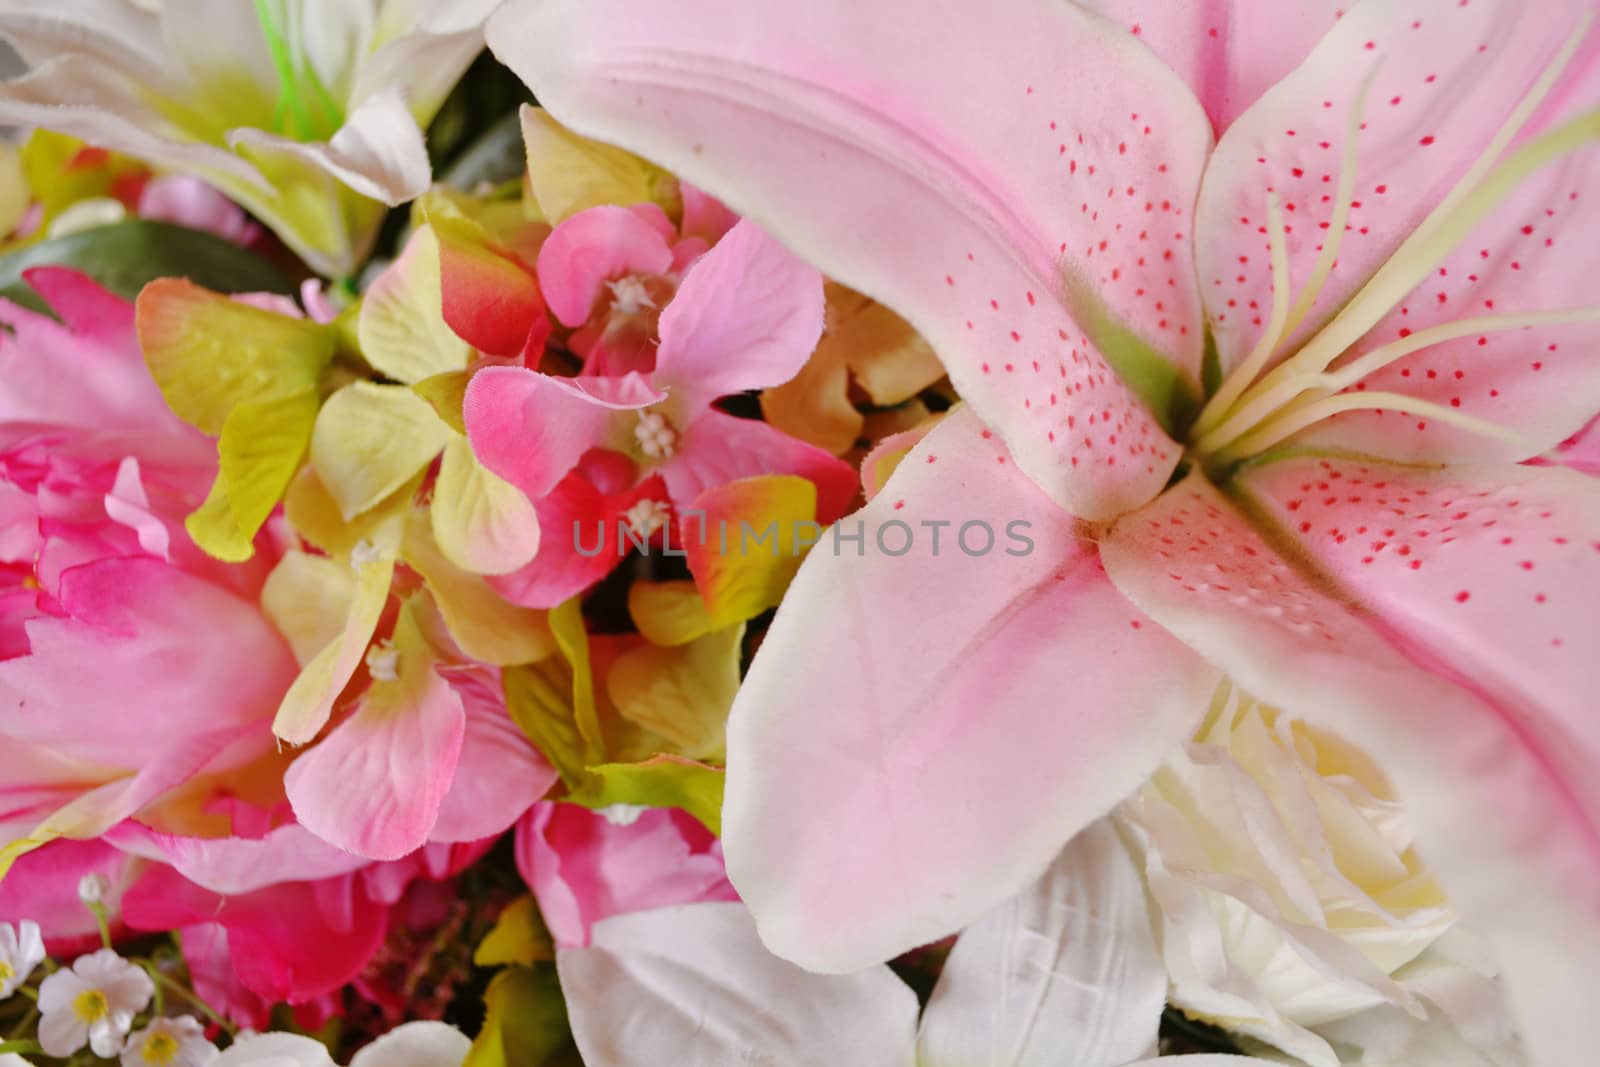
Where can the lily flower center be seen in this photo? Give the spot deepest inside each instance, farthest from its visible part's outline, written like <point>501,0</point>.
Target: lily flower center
<point>306,110</point>
<point>90,1006</point>
<point>1272,395</point>
<point>656,436</point>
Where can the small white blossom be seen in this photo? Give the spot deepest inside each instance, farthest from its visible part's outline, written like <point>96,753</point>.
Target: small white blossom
<point>94,1002</point>
<point>21,950</point>
<point>92,887</point>
<point>179,1042</point>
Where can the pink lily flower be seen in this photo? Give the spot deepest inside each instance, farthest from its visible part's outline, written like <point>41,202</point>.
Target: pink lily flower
<point>746,316</point>
<point>1382,222</point>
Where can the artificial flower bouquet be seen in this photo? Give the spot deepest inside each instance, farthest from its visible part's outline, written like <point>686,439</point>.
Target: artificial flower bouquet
<point>1056,533</point>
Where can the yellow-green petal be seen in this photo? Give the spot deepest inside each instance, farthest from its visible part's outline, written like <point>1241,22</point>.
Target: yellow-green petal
<point>370,439</point>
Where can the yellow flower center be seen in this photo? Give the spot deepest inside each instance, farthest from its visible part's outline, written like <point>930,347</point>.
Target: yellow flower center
<point>6,971</point>
<point>90,1006</point>
<point>160,1049</point>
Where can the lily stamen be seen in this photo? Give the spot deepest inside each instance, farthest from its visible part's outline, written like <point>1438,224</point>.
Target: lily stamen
<point>1247,415</point>
<point>1292,420</point>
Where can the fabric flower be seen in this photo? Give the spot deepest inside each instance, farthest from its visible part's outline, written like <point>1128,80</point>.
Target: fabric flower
<point>170,1042</point>
<point>417,1044</point>
<point>21,950</point>
<point>1290,893</point>
<point>308,114</point>
<point>1376,219</point>
<point>93,1003</point>
<point>585,866</point>
<point>130,663</point>
<point>746,316</point>
<point>1064,975</point>
<point>865,348</point>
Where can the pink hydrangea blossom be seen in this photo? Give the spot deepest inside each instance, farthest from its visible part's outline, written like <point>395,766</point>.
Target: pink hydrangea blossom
<point>641,426</point>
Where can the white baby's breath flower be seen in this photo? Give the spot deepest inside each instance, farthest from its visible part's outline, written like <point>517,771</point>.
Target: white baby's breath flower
<point>94,1002</point>
<point>21,950</point>
<point>179,1042</point>
<point>1292,907</point>
<point>92,887</point>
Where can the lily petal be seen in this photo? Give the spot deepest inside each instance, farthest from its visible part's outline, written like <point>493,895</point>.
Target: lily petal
<point>1437,654</point>
<point>926,723</point>
<point>1231,52</point>
<point>694,984</point>
<point>1439,79</point>
<point>929,152</point>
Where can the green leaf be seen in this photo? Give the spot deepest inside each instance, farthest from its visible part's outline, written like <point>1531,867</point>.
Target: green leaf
<point>663,781</point>
<point>526,1023</point>
<point>126,256</point>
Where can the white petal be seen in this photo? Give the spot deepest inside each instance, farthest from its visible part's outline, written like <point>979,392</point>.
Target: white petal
<point>378,151</point>
<point>694,985</point>
<point>419,1044</point>
<point>1065,973</point>
<point>274,1050</point>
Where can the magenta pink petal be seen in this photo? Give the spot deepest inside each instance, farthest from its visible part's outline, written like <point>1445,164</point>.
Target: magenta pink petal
<point>584,868</point>
<point>594,247</point>
<point>719,448</point>
<point>532,428</point>
<point>747,316</point>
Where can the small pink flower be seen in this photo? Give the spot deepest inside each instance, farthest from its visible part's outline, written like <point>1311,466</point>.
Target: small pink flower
<point>746,316</point>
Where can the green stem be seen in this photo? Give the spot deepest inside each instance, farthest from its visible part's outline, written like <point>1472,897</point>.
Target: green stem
<point>24,1025</point>
<point>99,911</point>
<point>162,981</point>
<point>21,1048</point>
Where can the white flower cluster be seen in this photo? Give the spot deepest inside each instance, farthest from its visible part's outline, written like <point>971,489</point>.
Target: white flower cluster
<point>96,1001</point>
